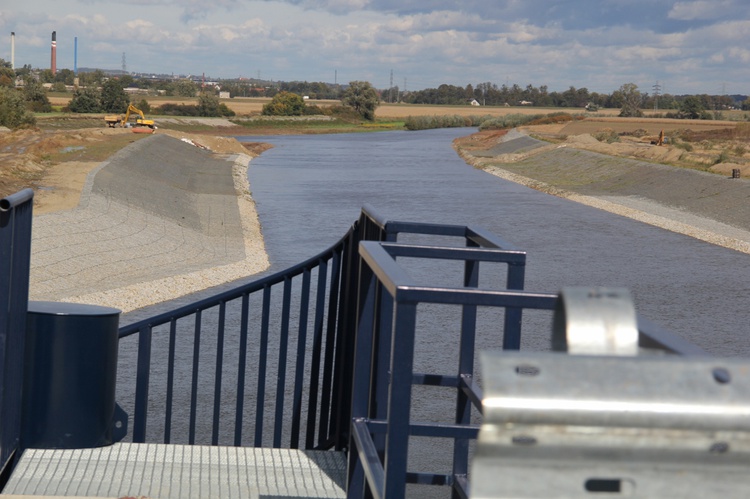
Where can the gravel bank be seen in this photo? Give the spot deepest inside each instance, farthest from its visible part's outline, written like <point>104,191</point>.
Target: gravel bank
<point>160,219</point>
<point>706,206</point>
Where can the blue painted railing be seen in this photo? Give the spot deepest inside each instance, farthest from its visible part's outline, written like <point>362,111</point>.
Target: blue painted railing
<point>15,255</point>
<point>319,356</point>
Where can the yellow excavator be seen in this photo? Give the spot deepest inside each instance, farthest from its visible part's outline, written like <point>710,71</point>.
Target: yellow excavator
<point>113,120</point>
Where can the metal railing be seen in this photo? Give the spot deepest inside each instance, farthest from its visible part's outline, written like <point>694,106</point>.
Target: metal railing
<point>319,356</point>
<point>278,350</point>
<point>384,375</point>
<point>15,255</point>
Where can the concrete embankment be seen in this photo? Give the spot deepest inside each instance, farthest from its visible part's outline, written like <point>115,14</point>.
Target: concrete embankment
<point>707,206</point>
<point>160,219</point>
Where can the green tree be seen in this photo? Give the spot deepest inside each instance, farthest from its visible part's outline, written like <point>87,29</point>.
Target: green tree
<point>65,76</point>
<point>692,107</point>
<point>35,95</point>
<point>285,104</point>
<point>363,98</point>
<point>113,98</point>
<point>7,75</point>
<point>631,100</point>
<point>144,106</point>
<point>208,105</point>
<point>182,88</point>
<point>46,76</point>
<point>13,112</point>
<point>85,100</point>
<point>59,87</point>
<point>126,81</point>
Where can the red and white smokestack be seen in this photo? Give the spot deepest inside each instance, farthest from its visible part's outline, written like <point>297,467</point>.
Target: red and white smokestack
<point>53,63</point>
<point>13,50</point>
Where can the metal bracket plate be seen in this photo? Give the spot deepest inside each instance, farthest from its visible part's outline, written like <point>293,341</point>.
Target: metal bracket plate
<point>570,426</point>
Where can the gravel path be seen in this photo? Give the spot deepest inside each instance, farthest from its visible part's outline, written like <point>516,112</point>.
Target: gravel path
<point>703,205</point>
<point>158,220</point>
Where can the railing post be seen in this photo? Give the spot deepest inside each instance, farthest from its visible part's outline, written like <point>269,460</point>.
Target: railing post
<point>15,257</point>
<point>70,368</point>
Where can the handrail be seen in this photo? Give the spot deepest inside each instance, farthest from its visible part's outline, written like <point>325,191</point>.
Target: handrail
<point>233,293</point>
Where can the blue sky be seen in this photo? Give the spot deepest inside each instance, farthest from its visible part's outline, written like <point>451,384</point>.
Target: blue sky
<point>694,46</point>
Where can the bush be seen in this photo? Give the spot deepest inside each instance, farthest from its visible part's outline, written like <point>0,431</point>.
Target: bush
<point>285,104</point>
<point>59,86</point>
<point>144,106</point>
<point>723,158</point>
<point>607,136</point>
<point>85,100</point>
<point>343,113</point>
<point>35,96</point>
<point>13,112</point>
<point>508,121</point>
<point>170,109</point>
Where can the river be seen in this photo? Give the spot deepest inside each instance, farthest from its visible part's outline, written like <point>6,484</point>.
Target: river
<point>309,189</point>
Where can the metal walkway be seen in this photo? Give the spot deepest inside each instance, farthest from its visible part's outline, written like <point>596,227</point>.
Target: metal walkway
<point>179,472</point>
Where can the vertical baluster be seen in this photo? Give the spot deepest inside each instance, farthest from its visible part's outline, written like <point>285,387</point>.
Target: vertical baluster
<point>281,369</point>
<point>241,366</point>
<point>312,402</point>
<point>218,373</point>
<point>142,384</point>
<point>333,330</point>
<point>194,386</point>
<point>299,368</point>
<point>170,381</point>
<point>262,359</point>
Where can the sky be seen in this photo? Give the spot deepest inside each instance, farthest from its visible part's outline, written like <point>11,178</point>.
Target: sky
<point>684,47</point>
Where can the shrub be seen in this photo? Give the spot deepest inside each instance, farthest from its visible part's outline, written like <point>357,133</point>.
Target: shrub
<point>607,136</point>
<point>284,104</point>
<point>144,106</point>
<point>508,121</point>
<point>13,112</point>
<point>35,96</point>
<point>723,157</point>
<point>170,109</point>
<point>85,100</point>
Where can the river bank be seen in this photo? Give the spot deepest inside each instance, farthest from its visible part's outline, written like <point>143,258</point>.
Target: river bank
<point>708,206</point>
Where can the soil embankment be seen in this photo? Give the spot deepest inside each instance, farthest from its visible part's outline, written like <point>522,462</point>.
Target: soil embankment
<point>708,206</point>
<point>159,219</point>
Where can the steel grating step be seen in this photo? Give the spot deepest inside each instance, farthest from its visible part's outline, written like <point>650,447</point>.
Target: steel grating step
<point>162,471</point>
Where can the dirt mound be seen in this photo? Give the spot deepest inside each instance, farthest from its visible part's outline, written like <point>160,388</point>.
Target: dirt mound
<point>56,163</point>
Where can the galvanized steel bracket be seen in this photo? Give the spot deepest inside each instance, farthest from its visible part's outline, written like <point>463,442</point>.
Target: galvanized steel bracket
<point>606,421</point>
<point>595,321</point>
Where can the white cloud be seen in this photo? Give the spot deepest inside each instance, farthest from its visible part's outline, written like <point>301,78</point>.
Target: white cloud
<point>699,10</point>
<point>589,43</point>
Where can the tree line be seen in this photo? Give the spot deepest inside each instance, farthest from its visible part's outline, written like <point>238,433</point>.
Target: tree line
<point>491,94</point>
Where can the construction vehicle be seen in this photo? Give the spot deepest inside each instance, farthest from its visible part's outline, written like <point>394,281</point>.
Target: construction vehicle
<point>113,120</point>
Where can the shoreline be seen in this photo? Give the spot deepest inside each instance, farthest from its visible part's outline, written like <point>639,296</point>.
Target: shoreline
<point>704,206</point>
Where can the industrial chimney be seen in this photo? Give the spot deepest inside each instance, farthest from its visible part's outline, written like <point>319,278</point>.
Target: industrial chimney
<point>13,50</point>
<point>53,63</point>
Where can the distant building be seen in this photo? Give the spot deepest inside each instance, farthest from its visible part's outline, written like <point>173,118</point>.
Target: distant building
<point>474,102</point>
<point>526,103</point>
